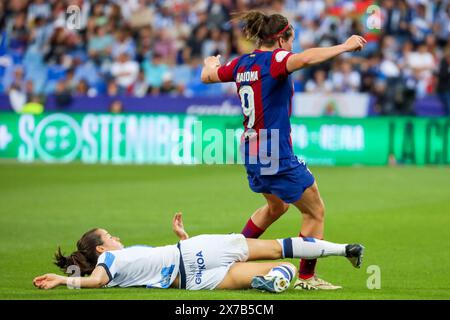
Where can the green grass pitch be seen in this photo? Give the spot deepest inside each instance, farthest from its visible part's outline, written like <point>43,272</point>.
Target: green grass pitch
<point>401,215</point>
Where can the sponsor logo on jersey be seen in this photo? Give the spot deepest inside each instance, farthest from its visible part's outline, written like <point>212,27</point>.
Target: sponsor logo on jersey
<point>281,55</point>
<point>200,267</point>
<point>166,274</point>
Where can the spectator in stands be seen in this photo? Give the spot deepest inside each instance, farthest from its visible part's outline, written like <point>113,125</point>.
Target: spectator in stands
<point>183,76</point>
<point>112,88</point>
<point>388,86</point>
<point>329,38</point>
<point>116,107</point>
<point>63,96</point>
<point>345,79</point>
<point>163,17</point>
<point>172,37</point>
<point>127,7</point>
<point>442,25</point>
<point>40,33</point>
<point>2,16</point>
<point>309,34</point>
<point>180,32</point>
<point>194,46</point>
<point>123,43</point>
<point>17,97</point>
<point>154,71</point>
<point>56,71</point>
<point>310,10</point>
<point>24,99</point>
<point>34,106</point>
<point>164,46</point>
<point>409,82</point>
<point>421,64</point>
<point>420,26</point>
<point>98,16</point>
<point>144,43</point>
<point>214,44</point>
<point>443,88</point>
<point>70,81</point>
<point>140,87</point>
<point>81,89</point>
<point>368,75</point>
<point>89,72</point>
<point>115,16</point>
<point>15,79</point>
<point>390,47</point>
<point>398,16</point>
<point>218,14</point>
<point>100,45</point>
<point>141,16</point>
<point>167,86</point>
<point>18,34</point>
<point>320,83</point>
<point>125,72</point>
<point>57,45</point>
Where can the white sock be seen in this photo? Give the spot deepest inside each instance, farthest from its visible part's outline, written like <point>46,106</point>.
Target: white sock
<point>310,248</point>
<point>284,270</point>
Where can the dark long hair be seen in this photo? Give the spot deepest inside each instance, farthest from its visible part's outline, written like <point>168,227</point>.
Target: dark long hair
<point>264,29</point>
<point>85,257</point>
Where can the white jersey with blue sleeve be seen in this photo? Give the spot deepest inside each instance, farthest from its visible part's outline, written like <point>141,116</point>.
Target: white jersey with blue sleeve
<point>153,267</point>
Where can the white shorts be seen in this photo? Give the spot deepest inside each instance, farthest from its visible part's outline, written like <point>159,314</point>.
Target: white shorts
<point>207,259</point>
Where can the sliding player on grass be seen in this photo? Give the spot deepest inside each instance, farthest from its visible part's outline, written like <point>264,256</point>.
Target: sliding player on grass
<point>265,89</point>
<point>202,262</point>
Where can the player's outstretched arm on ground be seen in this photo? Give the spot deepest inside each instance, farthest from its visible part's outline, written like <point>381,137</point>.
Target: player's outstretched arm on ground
<point>209,71</point>
<point>97,279</point>
<point>317,55</point>
<point>178,227</point>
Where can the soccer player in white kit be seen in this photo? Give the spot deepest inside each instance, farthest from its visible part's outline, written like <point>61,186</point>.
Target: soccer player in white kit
<point>201,262</point>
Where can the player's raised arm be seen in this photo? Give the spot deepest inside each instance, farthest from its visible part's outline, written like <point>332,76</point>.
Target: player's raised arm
<point>317,55</point>
<point>178,227</point>
<point>97,279</point>
<point>209,71</point>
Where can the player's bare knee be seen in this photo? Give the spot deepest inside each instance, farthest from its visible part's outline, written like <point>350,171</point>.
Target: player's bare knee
<point>282,208</point>
<point>319,214</point>
<point>275,211</point>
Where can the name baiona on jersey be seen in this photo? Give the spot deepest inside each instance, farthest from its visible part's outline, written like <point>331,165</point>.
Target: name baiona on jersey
<point>247,76</point>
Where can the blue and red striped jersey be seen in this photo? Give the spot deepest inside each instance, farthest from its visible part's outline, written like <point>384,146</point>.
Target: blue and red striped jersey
<point>265,89</point>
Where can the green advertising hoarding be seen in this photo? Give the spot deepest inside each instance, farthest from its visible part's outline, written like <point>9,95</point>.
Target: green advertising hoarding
<point>187,139</point>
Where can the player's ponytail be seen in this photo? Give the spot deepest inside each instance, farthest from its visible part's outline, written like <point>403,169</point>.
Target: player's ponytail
<point>264,29</point>
<point>85,258</point>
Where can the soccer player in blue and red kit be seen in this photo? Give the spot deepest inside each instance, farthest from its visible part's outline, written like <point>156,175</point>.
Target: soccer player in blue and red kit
<point>265,89</point>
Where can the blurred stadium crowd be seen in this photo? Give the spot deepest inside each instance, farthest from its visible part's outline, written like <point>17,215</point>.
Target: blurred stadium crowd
<point>151,47</point>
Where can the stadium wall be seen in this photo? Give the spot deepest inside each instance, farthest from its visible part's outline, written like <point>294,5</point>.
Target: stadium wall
<point>304,104</point>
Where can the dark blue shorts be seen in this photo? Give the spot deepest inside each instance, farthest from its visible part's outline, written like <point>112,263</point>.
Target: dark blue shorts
<point>288,184</point>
